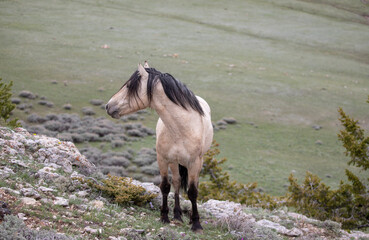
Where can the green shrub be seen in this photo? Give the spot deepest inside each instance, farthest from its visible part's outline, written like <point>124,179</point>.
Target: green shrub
<point>220,187</point>
<point>6,106</point>
<point>349,204</point>
<point>122,190</point>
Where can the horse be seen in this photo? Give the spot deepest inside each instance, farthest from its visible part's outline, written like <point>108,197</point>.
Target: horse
<point>184,132</point>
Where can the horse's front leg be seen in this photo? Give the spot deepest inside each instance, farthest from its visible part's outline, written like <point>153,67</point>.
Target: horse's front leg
<point>165,189</point>
<point>193,175</point>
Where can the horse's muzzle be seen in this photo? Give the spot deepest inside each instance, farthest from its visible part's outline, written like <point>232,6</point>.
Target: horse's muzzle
<point>113,111</point>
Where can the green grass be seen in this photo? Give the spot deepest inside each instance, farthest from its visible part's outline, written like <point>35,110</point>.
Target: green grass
<point>283,65</point>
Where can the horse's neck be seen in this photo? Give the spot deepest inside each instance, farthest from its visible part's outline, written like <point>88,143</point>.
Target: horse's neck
<point>179,121</point>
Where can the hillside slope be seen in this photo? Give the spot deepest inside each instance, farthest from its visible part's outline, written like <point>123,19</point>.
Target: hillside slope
<point>41,197</point>
<point>278,67</point>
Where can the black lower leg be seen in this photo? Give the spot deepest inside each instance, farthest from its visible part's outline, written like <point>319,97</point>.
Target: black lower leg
<point>195,218</point>
<point>177,211</point>
<point>165,188</point>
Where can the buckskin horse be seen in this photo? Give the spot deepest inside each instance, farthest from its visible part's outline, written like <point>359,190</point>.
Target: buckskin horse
<point>184,131</point>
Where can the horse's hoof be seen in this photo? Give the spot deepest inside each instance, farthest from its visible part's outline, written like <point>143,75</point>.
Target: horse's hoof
<point>196,228</point>
<point>165,220</point>
<point>198,231</point>
<point>178,220</point>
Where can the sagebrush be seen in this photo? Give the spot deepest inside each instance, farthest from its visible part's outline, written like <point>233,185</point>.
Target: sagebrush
<point>13,228</point>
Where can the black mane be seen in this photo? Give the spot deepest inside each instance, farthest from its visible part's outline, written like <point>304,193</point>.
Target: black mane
<point>175,90</point>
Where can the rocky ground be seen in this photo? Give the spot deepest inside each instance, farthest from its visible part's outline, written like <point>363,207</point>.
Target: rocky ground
<point>41,198</point>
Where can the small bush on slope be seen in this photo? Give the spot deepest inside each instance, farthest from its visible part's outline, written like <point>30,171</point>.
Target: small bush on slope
<point>6,106</point>
<point>349,204</point>
<point>121,190</point>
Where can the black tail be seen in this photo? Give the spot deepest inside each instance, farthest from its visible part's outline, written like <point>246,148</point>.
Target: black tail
<point>184,177</point>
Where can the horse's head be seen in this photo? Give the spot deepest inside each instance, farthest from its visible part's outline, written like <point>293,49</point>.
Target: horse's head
<point>132,96</point>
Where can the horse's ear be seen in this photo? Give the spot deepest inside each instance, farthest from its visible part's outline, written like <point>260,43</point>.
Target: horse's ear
<point>146,65</point>
<point>142,71</point>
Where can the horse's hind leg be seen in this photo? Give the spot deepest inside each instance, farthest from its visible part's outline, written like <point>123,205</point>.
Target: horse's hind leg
<point>193,176</point>
<point>165,188</point>
<point>176,181</point>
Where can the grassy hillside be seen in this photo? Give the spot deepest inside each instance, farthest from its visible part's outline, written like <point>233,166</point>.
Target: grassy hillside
<point>278,67</point>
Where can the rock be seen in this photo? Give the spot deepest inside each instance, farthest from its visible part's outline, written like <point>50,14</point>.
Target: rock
<point>30,192</point>
<point>139,231</point>
<point>27,94</point>
<point>9,190</point>
<point>89,229</point>
<point>97,204</point>
<point>6,172</point>
<point>28,201</point>
<point>61,201</point>
<point>317,127</point>
<point>77,175</point>
<point>82,194</point>
<point>18,162</point>
<point>47,173</point>
<point>221,208</point>
<point>22,216</point>
<point>294,232</point>
<point>45,189</point>
<point>270,224</point>
<point>355,235</point>
<point>150,188</point>
<point>116,238</point>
